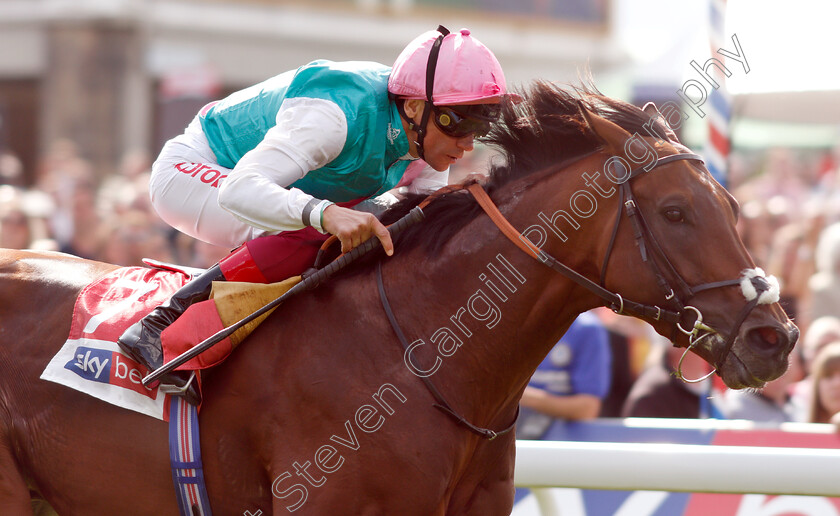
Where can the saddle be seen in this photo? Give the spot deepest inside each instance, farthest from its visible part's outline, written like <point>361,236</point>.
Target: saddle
<point>229,303</point>
<point>90,360</point>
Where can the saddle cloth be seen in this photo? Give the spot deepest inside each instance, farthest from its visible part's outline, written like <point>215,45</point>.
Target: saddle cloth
<point>90,360</point>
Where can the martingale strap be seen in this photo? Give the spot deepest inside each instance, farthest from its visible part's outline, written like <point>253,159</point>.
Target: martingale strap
<point>440,402</point>
<point>185,459</point>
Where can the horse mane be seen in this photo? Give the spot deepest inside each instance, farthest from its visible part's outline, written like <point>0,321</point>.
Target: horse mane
<point>536,132</point>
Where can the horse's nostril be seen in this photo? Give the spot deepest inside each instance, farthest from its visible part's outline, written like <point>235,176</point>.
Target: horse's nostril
<point>769,335</point>
<point>767,339</point>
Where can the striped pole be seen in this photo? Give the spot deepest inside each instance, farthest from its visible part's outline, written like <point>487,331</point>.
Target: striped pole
<point>718,141</point>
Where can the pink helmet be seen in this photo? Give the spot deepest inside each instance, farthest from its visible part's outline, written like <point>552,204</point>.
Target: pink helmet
<point>466,71</point>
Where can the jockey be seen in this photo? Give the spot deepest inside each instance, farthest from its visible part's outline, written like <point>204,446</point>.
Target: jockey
<point>279,165</point>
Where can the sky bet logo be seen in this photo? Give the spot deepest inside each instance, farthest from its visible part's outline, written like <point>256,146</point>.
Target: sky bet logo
<point>104,366</point>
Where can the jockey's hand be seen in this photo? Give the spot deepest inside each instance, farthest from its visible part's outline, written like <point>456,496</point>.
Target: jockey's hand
<point>354,227</point>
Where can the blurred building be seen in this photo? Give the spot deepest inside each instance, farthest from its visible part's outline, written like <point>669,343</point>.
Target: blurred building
<point>118,75</point>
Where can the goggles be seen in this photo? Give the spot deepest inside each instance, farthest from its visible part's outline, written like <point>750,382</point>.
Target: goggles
<point>475,119</point>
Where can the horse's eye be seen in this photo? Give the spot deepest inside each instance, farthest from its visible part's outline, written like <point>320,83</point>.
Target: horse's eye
<point>674,214</point>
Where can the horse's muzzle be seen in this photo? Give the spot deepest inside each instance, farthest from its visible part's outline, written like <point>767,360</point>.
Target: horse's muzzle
<point>762,350</point>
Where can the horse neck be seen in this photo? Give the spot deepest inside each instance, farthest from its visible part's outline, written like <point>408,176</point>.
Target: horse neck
<point>502,308</point>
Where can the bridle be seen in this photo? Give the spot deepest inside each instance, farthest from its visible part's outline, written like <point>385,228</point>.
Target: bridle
<point>677,291</point>
<point>755,286</point>
<point>761,289</point>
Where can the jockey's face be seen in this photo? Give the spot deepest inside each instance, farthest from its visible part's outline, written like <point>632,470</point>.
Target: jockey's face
<point>440,150</point>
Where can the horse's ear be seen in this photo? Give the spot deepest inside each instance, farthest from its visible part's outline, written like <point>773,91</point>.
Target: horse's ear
<point>608,132</point>
<point>651,109</point>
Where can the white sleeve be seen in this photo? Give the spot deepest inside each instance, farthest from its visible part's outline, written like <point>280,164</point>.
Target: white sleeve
<point>429,180</point>
<point>309,134</point>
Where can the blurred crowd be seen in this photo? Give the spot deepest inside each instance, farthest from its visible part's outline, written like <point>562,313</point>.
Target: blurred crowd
<point>68,208</point>
<point>789,221</point>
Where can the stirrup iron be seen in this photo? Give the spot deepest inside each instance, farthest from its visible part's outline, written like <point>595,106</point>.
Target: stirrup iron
<point>168,388</point>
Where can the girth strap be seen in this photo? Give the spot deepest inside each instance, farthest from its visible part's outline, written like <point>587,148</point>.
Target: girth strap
<point>441,404</point>
<point>185,459</point>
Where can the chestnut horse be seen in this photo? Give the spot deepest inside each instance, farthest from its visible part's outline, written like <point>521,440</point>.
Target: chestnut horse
<point>322,411</point>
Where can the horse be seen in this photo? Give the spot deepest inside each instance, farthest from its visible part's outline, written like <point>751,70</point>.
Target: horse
<point>323,411</point>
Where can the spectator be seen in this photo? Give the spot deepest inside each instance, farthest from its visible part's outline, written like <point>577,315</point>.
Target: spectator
<point>791,260</point>
<point>824,285</point>
<point>825,399</point>
<point>11,170</point>
<point>571,382</point>
<point>630,342</point>
<point>770,404</point>
<point>14,228</point>
<point>755,228</point>
<point>128,188</point>
<point>133,237</point>
<point>23,219</point>
<point>88,233</point>
<point>820,333</point>
<point>659,393</point>
<point>70,181</point>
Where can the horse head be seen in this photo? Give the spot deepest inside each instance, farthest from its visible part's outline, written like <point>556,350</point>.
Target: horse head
<point>642,227</point>
<point>676,228</point>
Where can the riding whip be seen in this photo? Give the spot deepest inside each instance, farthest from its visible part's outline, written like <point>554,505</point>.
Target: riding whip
<point>308,283</point>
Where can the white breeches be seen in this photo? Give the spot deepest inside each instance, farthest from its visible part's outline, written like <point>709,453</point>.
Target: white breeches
<point>184,189</point>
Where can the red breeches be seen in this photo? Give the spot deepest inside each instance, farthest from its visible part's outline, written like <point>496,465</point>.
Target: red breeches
<point>273,258</point>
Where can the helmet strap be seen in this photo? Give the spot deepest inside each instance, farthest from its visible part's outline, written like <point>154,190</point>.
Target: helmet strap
<point>411,126</point>
<point>421,129</point>
<point>431,65</point>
